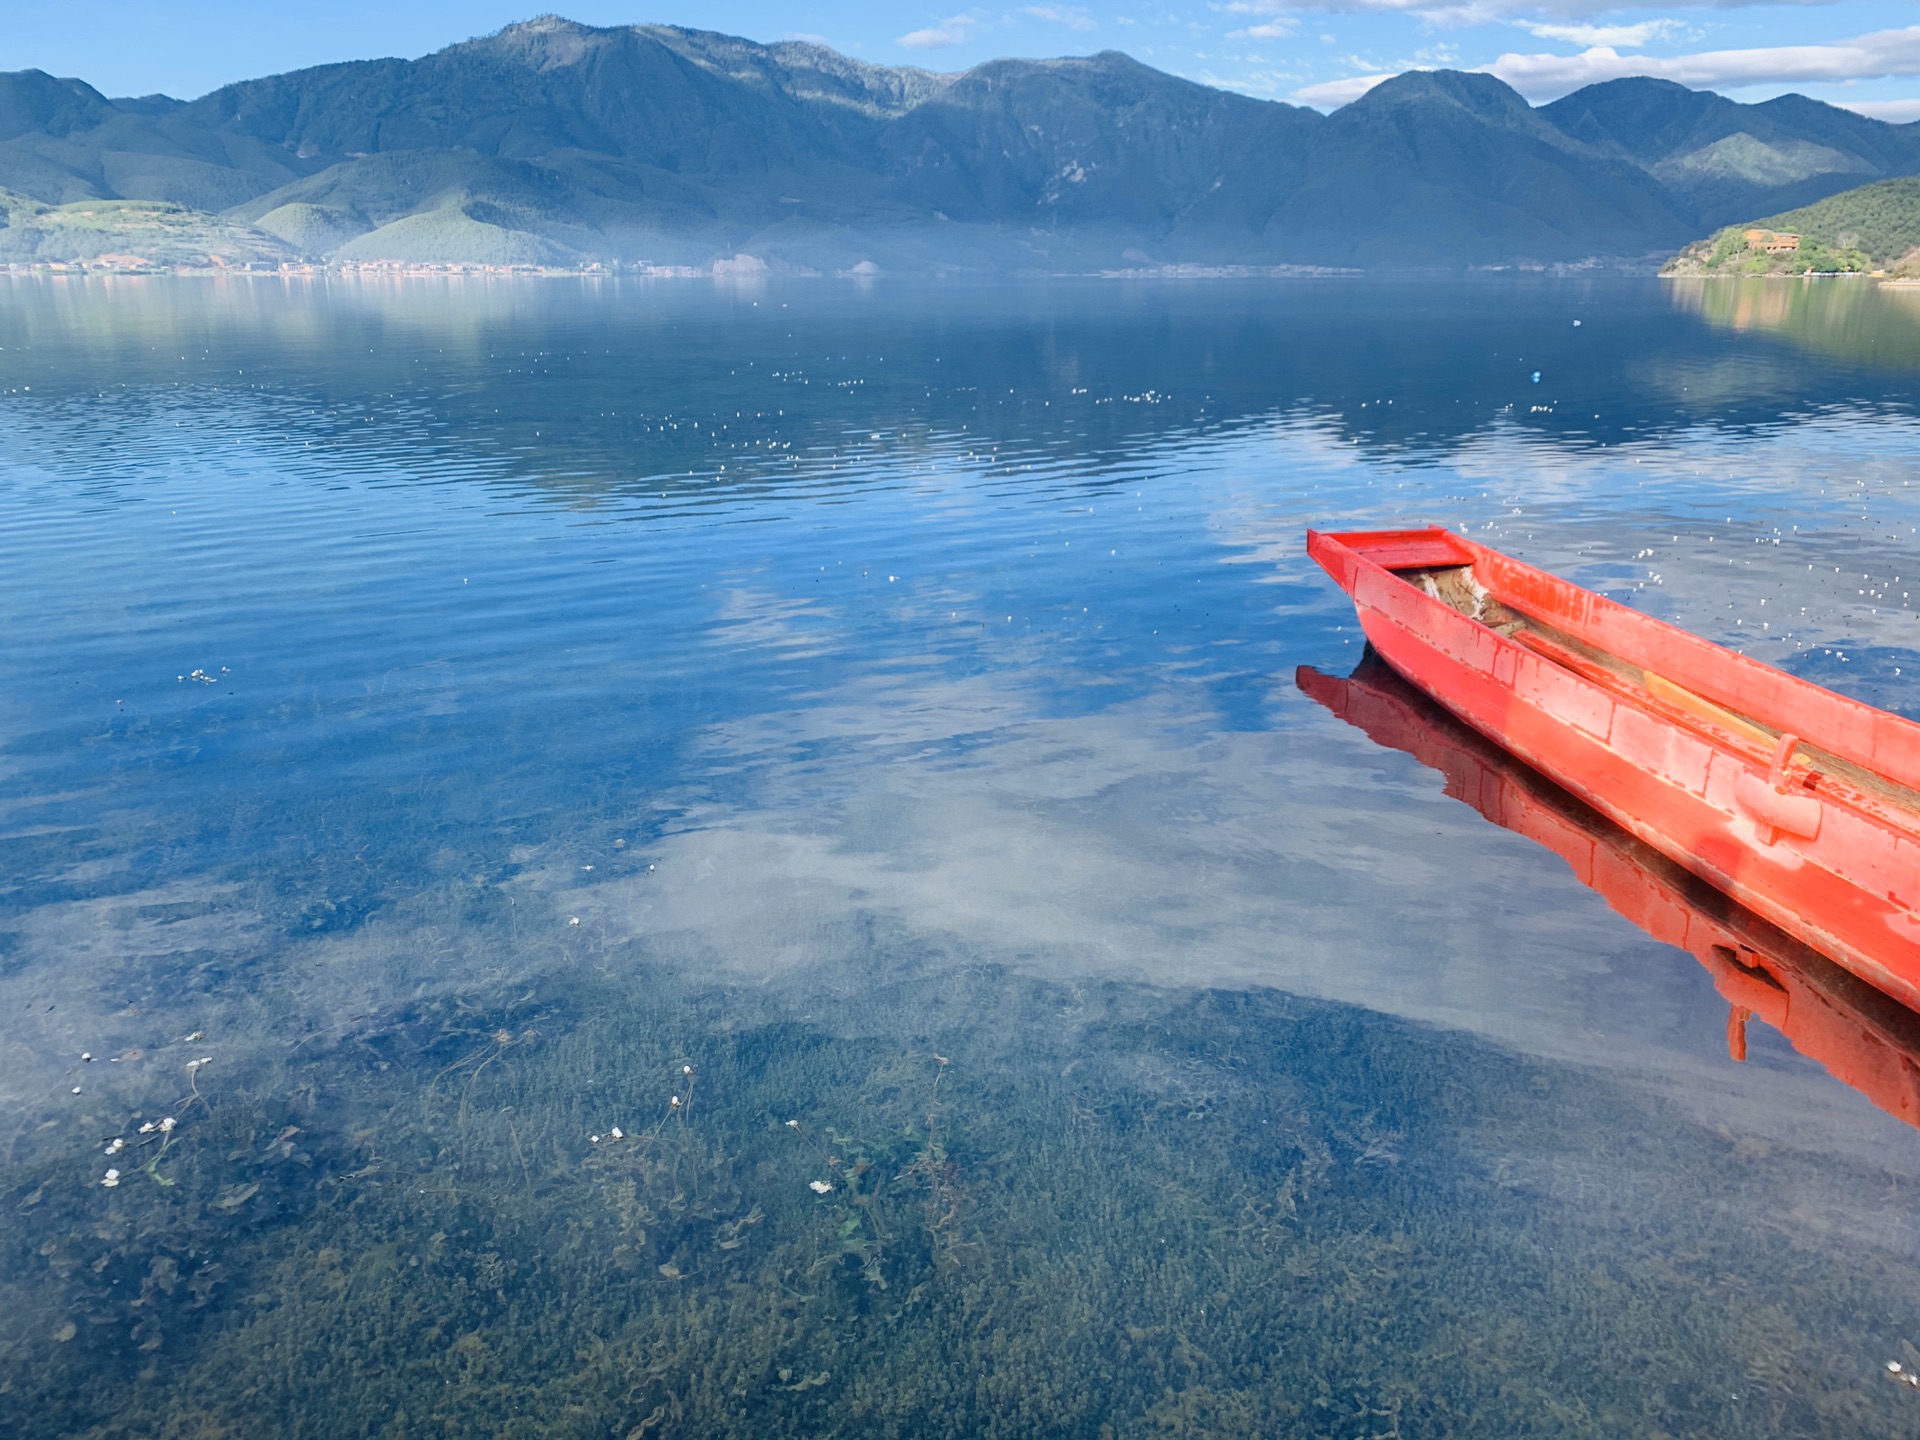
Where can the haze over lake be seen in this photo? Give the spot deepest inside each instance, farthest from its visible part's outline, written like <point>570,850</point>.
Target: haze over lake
<point>697,860</point>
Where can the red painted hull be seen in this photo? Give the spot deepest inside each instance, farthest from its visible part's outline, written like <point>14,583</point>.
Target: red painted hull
<point>1862,1037</point>
<point>1800,803</point>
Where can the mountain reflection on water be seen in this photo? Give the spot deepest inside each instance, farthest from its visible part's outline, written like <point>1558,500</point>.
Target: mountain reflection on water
<point>1021,1010</point>
<point>1853,318</point>
<point>1861,1037</point>
<point>731,387</point>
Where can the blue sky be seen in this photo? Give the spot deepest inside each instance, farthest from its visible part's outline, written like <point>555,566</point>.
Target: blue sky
<point>1862,53</point>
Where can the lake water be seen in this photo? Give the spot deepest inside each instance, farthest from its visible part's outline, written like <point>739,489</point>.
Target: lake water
<point>692,861</point>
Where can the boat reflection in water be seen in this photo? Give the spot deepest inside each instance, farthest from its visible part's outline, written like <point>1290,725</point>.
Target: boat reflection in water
<point>1864,1038</point>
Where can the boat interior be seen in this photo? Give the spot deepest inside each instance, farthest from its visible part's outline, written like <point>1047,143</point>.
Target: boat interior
<point>1807,768</point>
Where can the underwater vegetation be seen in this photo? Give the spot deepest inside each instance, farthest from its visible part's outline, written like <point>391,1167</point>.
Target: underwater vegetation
<point>905,631</point>
<point>964,1204</point>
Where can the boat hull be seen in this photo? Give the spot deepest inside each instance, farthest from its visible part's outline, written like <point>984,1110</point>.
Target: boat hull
<point>1699,793</point>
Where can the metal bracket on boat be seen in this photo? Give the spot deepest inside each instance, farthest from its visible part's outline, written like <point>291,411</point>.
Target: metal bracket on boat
<point>1774,809</point>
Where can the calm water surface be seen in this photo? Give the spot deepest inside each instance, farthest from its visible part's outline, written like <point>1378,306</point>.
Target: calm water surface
<point>651,861</point>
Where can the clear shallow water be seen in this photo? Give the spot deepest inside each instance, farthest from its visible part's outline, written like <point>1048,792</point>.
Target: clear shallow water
<point>896,687</point>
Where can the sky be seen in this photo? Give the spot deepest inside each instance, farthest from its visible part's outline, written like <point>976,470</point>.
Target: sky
<point>1864,54</point>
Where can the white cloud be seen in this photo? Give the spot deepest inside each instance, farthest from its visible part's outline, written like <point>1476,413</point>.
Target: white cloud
<point>1250,82</point>
<point>954,30</point>
<point>1631,37</point>
<point>1265,30</point>
<point>1074,17</point>
<point>1869,57</point>
<point>1881,55</point>
<point>1332,94</point>
<point>1899,112</point>
<point>1482,12</point>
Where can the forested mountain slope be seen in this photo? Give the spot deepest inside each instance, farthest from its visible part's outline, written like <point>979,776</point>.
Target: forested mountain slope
<point>556,141</point>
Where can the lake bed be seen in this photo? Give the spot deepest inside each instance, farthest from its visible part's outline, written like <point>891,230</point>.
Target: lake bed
<point>842,737</point>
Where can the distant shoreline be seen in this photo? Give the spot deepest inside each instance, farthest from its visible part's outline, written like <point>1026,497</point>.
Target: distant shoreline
<point>731,272</point>
<point>1879,278</point>
<point>725,271</point>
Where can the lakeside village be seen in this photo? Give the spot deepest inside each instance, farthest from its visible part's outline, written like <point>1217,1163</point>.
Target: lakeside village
<point>1756,243</point>
<point>1775,244</point>
<point>739,267</point>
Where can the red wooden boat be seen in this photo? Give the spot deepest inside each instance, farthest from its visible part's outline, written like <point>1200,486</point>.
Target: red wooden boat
<point>1800,803</point>
<point>1862,1037</point>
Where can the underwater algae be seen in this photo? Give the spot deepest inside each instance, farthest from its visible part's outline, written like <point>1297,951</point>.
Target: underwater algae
<point>965,1203</point>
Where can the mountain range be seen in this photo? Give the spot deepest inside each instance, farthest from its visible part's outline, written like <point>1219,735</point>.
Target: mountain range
<point>554,142</point>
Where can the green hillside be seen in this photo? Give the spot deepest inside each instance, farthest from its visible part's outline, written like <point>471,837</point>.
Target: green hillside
<point>154,232</point>
<point>1874,227</point>
<point>454,235</point>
